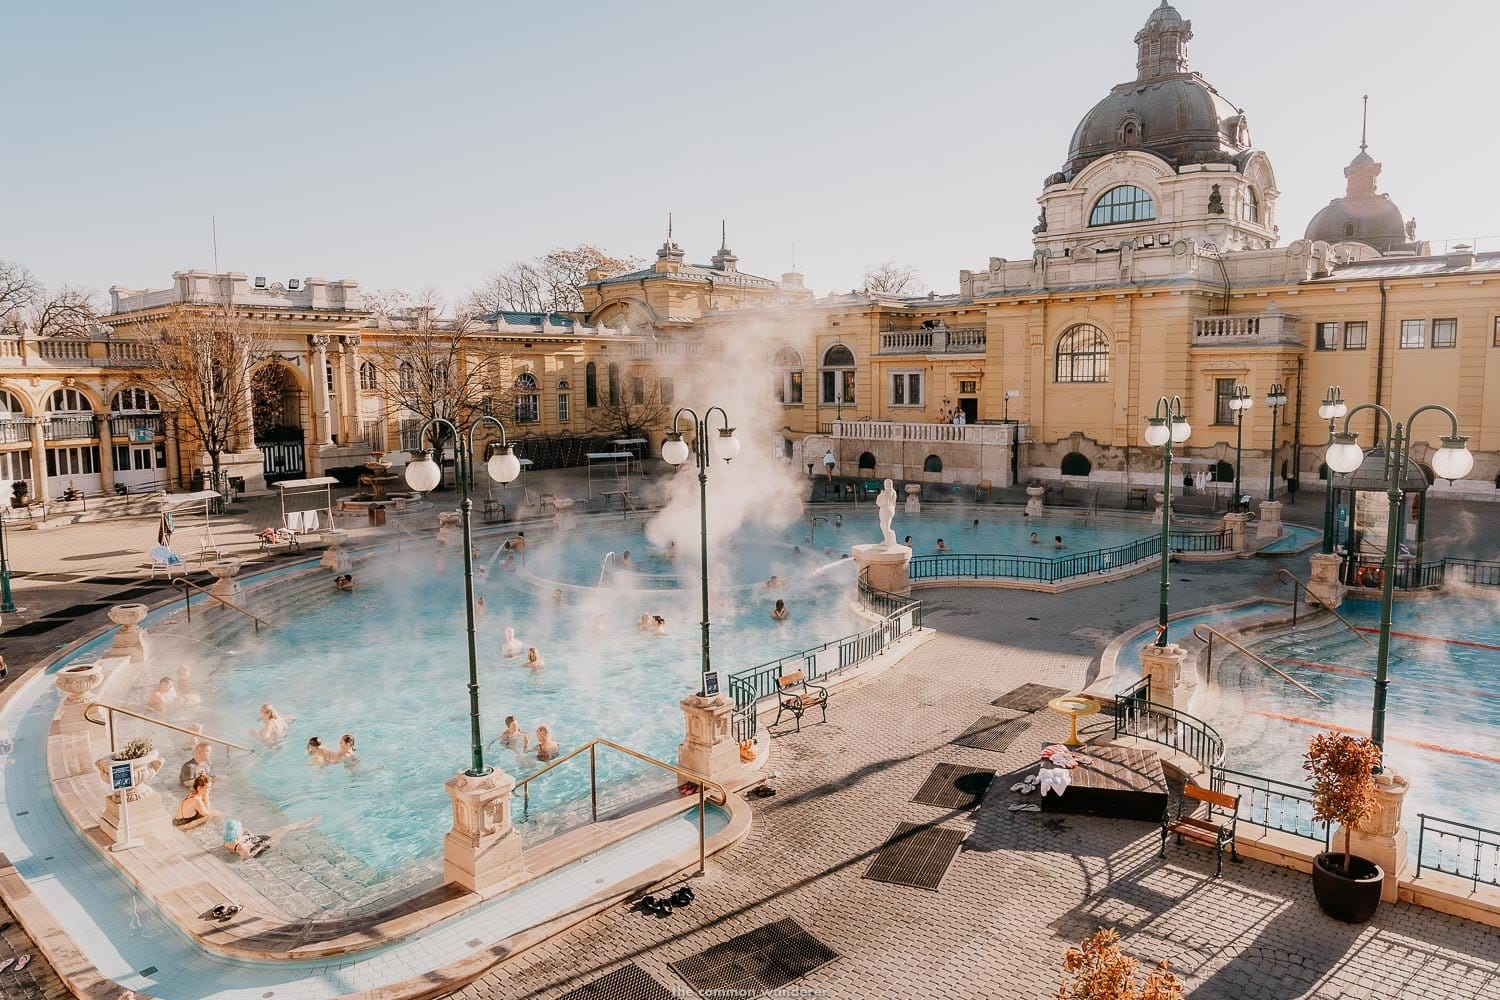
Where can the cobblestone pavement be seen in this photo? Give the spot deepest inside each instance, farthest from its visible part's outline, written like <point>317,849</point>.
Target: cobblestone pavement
<point>1021,890</point>
<point>1025,886</point>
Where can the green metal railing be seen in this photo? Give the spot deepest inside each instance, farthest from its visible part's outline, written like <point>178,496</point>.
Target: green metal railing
<point>1459,849</point>
<point>1275,805</point>
<point>1136,715</point>
<point>955,565</point>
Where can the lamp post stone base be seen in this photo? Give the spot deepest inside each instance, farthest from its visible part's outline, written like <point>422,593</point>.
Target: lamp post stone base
<point>1034,496</point>
<point>130,641</point>
<point>482,852</point>
<point>886,568</point>
<point>709,749</point>
<point>1162,665</point>
<point>1381,838</point>
<point>1270,520</point>
<point>1324,586</point>
<point>913,499</point>
<point>225,587</point>
<point>1235,525</point>
<point>448,522</point>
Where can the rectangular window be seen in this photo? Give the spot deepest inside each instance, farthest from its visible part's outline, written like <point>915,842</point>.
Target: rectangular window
<point>1223,393</point>
<point>1497,332</point>
<point>528,408</point>
<point>122,457</point>
<point>794,384</point>
<point>562,407</point>
<point>838,387</point>
<point>1413,333</point>
<point>1356,335</point>
<point>906,389</point>
<point>1328,337</point>
<point>898,390</point>
<point>666,388</point>
<point>1445,333</point>
<point>637,389</point>
<point>968,387</point>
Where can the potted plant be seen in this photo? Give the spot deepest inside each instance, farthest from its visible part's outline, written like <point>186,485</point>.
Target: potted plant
<point>144,761</point>
<point>1101,971</point>
<point>1342,768</point>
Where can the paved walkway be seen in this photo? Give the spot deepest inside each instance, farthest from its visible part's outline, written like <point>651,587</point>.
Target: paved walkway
<point>1024,887</point>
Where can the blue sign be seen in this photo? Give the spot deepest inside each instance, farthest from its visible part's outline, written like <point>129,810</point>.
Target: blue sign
<point>121,776</point>
<point>1343,512</point>
<point>711,684</point>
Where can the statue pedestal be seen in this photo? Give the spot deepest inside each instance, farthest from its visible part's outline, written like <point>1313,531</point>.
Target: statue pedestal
<point>913,499</point>
<point>1235,525</point>
<point>449,521</point>
<point>334,557</point>
<point>709,749</point>
<point>483,850</point>
<point>1034,495</point>
<point>225,587</point>
<point>1324,586</point>
<point>1381,838</point>
<point>148,817</point>
<point>130,640</point>
<point>1270,521</point>
<point>1163,666</point>
<point>885,568</point>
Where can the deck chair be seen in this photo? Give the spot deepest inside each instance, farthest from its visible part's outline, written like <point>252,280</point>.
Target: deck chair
<point>163,560</point>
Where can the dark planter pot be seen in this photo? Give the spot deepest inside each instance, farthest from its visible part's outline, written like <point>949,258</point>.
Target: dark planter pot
<point>1352,898</point>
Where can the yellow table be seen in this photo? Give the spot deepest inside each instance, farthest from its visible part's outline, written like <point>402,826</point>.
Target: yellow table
<point>1073,706</point>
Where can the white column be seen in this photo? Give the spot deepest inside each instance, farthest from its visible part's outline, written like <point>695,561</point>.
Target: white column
<point>39,457</point>
<point>319,377</point>
<point>349,412</point>
<point>106,453</point>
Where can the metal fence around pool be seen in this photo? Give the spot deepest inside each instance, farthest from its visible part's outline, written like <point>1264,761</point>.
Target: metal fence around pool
<point>955,565</point>
<point>1369,572</point>
<point>1459,849</point>
<point>1136,715</point>
<point>1275,805</point>
<point>900,617</point>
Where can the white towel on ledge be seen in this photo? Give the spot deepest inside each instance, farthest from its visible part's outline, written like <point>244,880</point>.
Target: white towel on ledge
<point>1054,779</point>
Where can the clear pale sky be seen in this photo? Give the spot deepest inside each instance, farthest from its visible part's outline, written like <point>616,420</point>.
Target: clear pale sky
<point>408,145</point>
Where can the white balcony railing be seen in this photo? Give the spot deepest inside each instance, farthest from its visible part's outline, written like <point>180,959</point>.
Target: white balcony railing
<point>937,341</point>
<point>1269,328</point>
<point>889,430</point>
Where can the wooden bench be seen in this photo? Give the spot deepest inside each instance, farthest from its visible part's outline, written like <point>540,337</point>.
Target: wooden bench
<point>796,696</point>
<point>1205,829</point>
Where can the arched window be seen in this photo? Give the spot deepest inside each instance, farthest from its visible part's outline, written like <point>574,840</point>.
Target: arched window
<point>564,400</point>
<point>1223,472</point>
<point>786,380</point>
<point>866,461</point>
<point>528,400</point>
<point>1350,230</point>
<point>135,400</point>
<point>932,463</point>
<point>1129,135</point>
<point>367,376</point>
<point>1126,203</point>
<point>837,376</point>
<point>1083,355</point>
<point>406,377</point>
<point>69,401</point>
<point>10,404</point>
<point>1249,205</point>
<point>1075,464</point>
<point>590,385</point>
<point>614,385</point>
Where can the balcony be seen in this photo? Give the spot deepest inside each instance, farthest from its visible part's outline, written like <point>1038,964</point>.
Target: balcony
<point>1271,328</point>
<point>70,427</point>
<point>889,430</point>
<point>15,430</point>
<point>936,341</point>
<point>136,427</point>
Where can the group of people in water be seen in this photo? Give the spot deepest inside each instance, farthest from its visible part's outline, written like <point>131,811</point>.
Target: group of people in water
<point>516,738</point>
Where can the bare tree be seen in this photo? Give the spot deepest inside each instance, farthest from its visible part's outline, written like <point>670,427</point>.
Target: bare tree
<point>199,363</point>
<point>891,278</point>
<point>634,407</point>
<point>437,366</point>
<point>25,302</point>
<point>18,288</point>
<point>548,283</point>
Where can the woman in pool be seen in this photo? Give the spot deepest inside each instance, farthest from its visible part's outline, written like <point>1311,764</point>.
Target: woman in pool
<point>658,625</point>
<point>557,596</point>
<point>195,809</point>
<point>238,840</point>
<point>514,735</point>
<point>346,753</point>
<point>534,660</point>
<point>644,623</point>
<point>546,746</point>
<point>780,612</point>
<point>272,726</point>
<point>625,560</point>
<point>1034,538</point>
<point>318,753</point>
<point>906,541</point>
<point>164,699</point>
<point>838,521</point>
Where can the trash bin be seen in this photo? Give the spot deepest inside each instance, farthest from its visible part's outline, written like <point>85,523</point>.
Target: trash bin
<point>237,483</point>
<point>377,515</point>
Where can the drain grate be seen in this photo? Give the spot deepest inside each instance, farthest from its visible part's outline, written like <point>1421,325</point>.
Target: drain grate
<point>756,962</point>
<point>992,733</point>
<point>953,786</point>
<point>916,855</point>
<point>1028,697</point>
<point>629,982</point>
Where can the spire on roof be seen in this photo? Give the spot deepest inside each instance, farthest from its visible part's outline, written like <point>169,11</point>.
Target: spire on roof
<point>724,260</point>
<point>1364,125</point>
<point>669,250</point>
<point>1362,171</point>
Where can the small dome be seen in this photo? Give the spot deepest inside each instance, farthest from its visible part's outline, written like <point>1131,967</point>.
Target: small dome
<point>1363,215</point>
<point>1166,16</point>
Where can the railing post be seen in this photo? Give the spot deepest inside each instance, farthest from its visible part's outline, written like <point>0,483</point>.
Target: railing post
<point>1421,835</point>
<point>593,783</point>
<point>702,838</point>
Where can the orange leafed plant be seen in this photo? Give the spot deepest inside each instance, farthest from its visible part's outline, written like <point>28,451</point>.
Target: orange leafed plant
<point>1342,768</point>
<point>1101,971</point>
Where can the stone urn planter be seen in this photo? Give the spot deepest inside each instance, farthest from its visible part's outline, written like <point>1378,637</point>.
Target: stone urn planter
<point>128,616</point>
<point>130,639</point>
<point>143,768</point>
<point>77,680</point>
<point>224,586</point>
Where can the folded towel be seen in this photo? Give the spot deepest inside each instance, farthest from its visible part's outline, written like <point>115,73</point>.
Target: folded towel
<point>1055,779</point>
<point>310,521</point>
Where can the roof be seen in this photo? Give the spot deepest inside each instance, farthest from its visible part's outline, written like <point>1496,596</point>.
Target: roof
<point>526,318</point>
<point>1413,267</point>
<point>692,272</point>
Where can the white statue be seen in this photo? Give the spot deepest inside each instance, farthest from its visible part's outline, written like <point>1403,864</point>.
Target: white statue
<point>886,504</point>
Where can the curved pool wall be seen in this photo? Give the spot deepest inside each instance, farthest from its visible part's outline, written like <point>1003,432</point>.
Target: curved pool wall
<point>128,940</point>
<point>1443,710</point>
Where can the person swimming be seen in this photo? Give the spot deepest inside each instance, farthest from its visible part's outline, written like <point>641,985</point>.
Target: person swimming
<point>671,552</point>
<point>975,525</point>
<point>625,559</point>
<point>195,809</point>
<point>776,583</point>
<point>1057,542</point>
<point>272,726</point>
<point>838,521</point>
<point>346,752</point>
<point>534,659</point>
<point>514,734</point>
<point>906,541</point>
<point>557,596</point>
<point>318,753</point>
<point>658,625</point>
<point>343,582</point>
<point>164,699</point>
<point>512,647</point>
<point>546,746</point>
<point>644,622</point>
<point>1034,538</point>
<point>780,612</point>
<point>942,546</point>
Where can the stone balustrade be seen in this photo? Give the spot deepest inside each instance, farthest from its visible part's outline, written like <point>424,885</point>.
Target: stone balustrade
<point>1271,327</point>
<point>935,341</point>
<point>888,430</point>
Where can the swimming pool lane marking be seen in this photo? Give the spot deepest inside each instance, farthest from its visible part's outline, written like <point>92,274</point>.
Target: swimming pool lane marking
<point>1420,744</point>
<point>1431,638</point>
<point>1335,668</point>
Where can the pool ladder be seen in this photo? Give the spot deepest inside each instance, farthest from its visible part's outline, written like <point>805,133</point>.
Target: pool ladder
<point>523,785</point>
<point>183,584</point>
<point>108,722</point>
<point>1213,633</point>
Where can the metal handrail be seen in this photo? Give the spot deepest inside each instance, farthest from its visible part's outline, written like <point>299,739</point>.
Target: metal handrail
<point>187,601</point>
<point>1209,640</point>
<point>524,784</point>
<point>1299,583</point>
<point>109,726</point>
<point>1432,824</point>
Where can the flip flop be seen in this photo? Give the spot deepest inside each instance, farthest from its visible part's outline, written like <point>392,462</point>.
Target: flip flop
<point>218,912</point>
<point>22,962</point>
<point>1018,786</point>
<point>6,964</point>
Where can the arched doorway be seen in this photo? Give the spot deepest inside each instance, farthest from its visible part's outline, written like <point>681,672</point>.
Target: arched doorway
<point>276,409</point>
<point>1076,464</point>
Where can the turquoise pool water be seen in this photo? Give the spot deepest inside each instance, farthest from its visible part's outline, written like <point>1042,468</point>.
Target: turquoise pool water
<point>1007,533</point>
<point>1128,664</point>
<point>1443,710</point>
